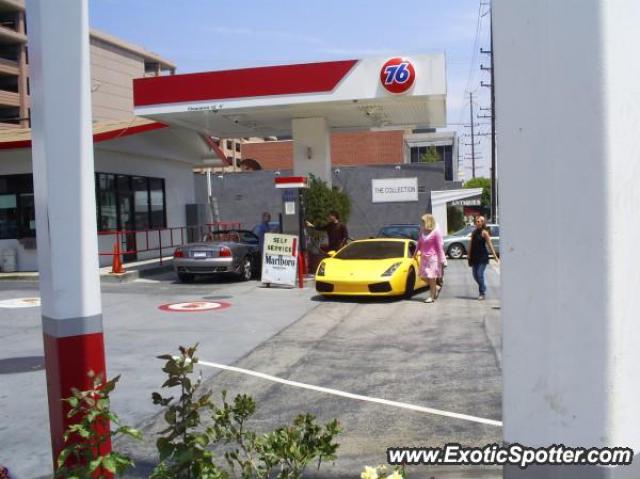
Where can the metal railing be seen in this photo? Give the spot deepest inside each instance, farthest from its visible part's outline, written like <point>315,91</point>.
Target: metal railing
<point>135,242</point>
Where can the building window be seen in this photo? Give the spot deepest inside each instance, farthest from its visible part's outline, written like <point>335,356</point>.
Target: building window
<point>238,147</point>
<point>17,212</point>
<point>158,218</point>
<point>130,203</point>
<point>106,202</point>
<point>122,202</point>
<point>435,153</point>
<point>229,144</point>
<point>141,202</point>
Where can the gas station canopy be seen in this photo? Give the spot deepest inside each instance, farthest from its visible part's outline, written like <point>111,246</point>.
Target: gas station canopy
<point>374,93</point>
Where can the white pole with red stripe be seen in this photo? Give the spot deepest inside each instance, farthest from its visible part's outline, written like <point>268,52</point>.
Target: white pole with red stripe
<point>63,172</point>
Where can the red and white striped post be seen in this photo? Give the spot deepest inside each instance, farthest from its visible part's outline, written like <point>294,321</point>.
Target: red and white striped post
<point>63,175</point>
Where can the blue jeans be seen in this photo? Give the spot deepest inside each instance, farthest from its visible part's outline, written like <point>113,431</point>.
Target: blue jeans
<point>478,276</point>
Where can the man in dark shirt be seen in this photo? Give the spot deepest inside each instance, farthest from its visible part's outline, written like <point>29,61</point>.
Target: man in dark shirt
<point>336,232</point>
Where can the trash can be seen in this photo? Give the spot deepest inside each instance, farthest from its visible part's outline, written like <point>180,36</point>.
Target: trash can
<point>8,260</point>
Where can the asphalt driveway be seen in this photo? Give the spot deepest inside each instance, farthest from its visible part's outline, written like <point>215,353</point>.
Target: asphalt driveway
<point>443,356</point>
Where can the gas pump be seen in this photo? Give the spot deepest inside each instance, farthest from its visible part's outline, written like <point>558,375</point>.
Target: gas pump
<point>293,215</point>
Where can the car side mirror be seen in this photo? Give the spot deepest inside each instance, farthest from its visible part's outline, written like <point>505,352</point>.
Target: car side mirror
<point>331,253</point>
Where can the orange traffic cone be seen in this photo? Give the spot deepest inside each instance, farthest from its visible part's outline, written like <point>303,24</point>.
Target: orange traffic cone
<point>116,267</point>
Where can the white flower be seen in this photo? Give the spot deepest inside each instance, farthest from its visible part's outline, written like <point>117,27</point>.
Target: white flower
<point>369,473</point>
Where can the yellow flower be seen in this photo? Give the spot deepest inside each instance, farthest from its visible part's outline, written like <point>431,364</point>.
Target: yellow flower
<point>395,475</point>
<point>369,473</point>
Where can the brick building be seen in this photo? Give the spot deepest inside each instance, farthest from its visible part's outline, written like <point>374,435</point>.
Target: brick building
<point>364,148</point>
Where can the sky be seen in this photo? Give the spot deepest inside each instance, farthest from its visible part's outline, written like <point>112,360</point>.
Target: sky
<point>204,35</point>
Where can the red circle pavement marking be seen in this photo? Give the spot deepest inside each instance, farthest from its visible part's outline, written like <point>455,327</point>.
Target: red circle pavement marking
<point>194,306</point>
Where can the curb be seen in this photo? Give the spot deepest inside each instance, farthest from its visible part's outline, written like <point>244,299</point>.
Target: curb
<point>129,276</point>
<point>126,277</point>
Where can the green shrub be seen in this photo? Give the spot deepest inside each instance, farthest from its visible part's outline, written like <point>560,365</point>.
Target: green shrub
<point>184,447</point>
<point>319,200</point>
<point>455,219</point>
<point>195,425</point>
<point>485,184</point>
<point>86,438</point>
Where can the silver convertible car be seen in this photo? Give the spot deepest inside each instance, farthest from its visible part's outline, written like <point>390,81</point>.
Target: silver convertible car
<point>455,244</point>
<point>221,252</point>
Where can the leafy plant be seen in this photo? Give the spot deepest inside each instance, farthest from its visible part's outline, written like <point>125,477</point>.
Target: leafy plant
<point>85,441</point>
<point>183,447</point>
<point>431,155</point>
<point>485,184</point>
<point>455,219</point>
<point>319,199</point>
<point>283,453</point>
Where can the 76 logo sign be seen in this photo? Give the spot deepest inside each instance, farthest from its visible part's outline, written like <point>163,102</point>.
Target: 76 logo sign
<point>397,75</point>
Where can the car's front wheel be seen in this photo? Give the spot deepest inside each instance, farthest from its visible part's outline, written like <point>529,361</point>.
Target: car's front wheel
<point>185,277</point>
<point>246,269</point>
<point>411,284</point>
<point>456,251</point>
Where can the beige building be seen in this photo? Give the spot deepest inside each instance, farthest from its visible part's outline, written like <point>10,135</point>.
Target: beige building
<point>114,64</point>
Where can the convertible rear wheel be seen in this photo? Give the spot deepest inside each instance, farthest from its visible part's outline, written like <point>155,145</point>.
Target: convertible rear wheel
<point>246,269</point>
<point>411,283</point>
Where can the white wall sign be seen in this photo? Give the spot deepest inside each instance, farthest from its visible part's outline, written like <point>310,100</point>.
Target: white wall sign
<point>466,202</point>
<point>390,190</point>
<point>280,259</point>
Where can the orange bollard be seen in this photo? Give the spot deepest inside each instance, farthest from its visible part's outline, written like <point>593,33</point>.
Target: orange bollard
<point>117,267</point>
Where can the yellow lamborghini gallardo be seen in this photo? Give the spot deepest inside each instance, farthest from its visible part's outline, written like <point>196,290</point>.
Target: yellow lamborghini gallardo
<point>372,267</point>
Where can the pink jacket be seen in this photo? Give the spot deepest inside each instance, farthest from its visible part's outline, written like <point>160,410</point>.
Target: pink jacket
<point>432,244</point>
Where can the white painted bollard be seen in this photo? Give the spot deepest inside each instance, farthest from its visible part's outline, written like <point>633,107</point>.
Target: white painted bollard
<point>568,110</point>
<point>63,177</point>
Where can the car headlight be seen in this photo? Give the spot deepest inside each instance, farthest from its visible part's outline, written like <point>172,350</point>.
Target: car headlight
<point>391,269</point>
<point>321,269</point>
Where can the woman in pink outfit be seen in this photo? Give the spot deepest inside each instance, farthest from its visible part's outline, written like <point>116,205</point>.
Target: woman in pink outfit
<point>432,257</point>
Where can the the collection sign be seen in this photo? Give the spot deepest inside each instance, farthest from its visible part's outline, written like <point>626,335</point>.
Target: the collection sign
<point>391,190</point>
<point>280,259</point>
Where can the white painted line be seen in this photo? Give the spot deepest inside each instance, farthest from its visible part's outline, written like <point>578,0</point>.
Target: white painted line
<point>359,397</point>
<point>20,303</point>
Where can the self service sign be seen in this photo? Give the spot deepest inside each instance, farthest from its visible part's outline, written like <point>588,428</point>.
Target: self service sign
<point>392,190</point>
<point>280,259</point>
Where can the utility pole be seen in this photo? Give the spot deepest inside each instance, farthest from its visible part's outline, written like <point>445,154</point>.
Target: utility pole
<point>494,189</point>
<point>473,143</point>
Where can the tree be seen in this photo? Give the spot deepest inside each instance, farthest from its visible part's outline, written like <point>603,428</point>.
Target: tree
<point>319,200</point>
<point>455,219</point>
<point>431,155</point>
<point>485,184</point>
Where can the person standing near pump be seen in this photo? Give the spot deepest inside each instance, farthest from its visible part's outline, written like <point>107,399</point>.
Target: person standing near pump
<point>478,257</point>
<point>263,228</point>
<point>337,233</point>
<point>432,257</point>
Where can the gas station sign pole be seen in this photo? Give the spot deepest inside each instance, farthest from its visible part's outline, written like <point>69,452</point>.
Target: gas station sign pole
<point>63,175</point>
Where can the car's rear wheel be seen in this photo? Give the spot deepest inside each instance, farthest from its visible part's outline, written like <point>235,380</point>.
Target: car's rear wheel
<point>411,284</point>
<point>186,277</point>
<point>246,269</point>
<point>456,251</point>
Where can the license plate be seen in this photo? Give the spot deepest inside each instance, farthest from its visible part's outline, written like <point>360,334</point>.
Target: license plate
<point>199,254</point>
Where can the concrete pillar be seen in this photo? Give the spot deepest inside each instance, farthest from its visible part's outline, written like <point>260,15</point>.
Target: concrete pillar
<point>23,74</point>
<point>568,110</point>
<point>312,148</point>
<point>65,201</point>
